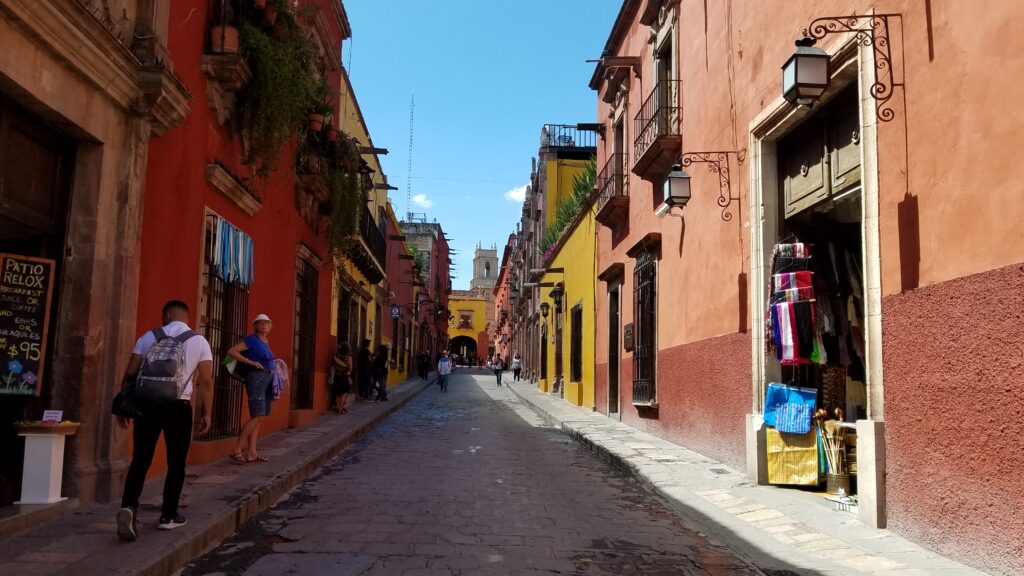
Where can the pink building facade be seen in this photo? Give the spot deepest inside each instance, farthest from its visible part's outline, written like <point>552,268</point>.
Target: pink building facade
<point>902,188</point>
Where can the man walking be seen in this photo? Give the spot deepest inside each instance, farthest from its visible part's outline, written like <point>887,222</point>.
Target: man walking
<point>192,359</point>
<point>444,368</point>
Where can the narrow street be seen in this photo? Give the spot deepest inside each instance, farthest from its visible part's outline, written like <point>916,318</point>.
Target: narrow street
<point>468,482</point>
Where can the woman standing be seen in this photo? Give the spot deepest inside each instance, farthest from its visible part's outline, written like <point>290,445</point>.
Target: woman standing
<point>342,383</point>
<point>254,352</point>
<point>517,366</point>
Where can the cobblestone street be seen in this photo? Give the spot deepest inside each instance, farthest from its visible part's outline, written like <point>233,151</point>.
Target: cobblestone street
<point>468,482</point>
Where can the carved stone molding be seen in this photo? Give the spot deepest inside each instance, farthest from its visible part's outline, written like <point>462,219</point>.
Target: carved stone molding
<point>311,194</point>
<point>227,74</point>
<point>222,181</point>
<point>164,97</point>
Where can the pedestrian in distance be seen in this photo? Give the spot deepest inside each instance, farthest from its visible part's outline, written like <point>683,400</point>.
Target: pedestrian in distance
<point>179,362</point>
<point>498,367</point>
<point>256,362</point>
<point>517,366</point>
<point>379,365</point>
<point>444,368</point>
<point>423,361</point>
<point>341,382</point>
<point>364,370</point>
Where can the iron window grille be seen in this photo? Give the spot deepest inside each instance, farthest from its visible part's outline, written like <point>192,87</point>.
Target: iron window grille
<point>304,344</point>
<point>645,281</point>
<point>576,344</point>
<point>224,321</point>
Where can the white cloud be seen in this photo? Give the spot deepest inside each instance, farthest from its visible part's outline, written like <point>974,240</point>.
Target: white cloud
<point>516,194</point>
<point>422,201</point>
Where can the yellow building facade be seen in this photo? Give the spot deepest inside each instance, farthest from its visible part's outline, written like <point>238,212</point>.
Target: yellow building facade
<point>570,329</point>
<point>467,327</point>
<point>560,174</point>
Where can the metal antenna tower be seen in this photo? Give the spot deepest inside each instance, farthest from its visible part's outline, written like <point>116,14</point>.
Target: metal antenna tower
<point>408,172</point>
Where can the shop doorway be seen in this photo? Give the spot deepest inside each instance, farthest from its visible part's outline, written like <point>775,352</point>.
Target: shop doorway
<point>35,175</point>
<point>817,299</point>
<point>613,352</point>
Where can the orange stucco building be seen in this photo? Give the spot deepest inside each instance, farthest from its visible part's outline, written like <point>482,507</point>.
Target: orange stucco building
<point>902,187</point>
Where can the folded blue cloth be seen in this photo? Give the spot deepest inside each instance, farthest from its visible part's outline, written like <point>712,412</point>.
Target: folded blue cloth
<point>789,408</point>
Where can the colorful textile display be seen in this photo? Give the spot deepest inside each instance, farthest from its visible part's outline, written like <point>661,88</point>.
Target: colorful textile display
<point>793,250</point>
<point>793,295</point>
<point>789,408</point>
<point>790,280</point>
<point>792,458</point>
<point>232,253</point>
<point>833,388</point>
<point>795,333</point>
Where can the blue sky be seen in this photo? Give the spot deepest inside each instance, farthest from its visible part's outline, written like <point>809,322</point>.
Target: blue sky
<point>487,74</point>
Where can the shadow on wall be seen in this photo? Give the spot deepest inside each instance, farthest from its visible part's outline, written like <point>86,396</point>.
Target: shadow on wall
<point>741,301</point>
<point>909,221</point>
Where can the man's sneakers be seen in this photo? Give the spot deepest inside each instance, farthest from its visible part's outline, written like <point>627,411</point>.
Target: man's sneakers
<point>126,525</point>
<point>170,523</point>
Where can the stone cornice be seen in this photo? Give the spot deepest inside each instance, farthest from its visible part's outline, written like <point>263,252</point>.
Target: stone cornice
<point>74,35</point>
<point>222,181</point>
<point>164,96</point>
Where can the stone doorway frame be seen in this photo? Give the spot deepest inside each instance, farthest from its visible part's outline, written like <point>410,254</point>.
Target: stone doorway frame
<point>850,62</point>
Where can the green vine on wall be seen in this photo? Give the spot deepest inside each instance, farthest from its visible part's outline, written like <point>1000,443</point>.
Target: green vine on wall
<point>283,90</point>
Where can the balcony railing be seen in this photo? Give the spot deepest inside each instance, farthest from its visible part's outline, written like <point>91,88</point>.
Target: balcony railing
<point>373,237</point>
<point>661,115</point>
<point>567,136</point>
<point>612,187</point>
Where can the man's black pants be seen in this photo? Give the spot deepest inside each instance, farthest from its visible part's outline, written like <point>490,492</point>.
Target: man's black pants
<point>174,419</point>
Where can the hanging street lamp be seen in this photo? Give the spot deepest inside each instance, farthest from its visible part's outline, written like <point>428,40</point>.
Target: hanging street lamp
<point>806,74</point>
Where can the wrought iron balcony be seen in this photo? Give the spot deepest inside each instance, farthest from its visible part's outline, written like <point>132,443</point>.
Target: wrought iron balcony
<point>613,191</point>
<point>369,252</point>
<point>564,136</point>
<point>658,131</point>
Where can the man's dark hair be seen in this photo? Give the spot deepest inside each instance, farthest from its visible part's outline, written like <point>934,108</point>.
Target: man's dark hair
<point>366,343</point>
<point>175,305</point>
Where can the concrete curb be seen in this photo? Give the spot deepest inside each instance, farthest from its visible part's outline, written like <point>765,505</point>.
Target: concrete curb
<point>245,508</point>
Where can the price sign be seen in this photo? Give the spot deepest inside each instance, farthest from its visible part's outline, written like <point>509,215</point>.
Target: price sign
<point>26,288</point>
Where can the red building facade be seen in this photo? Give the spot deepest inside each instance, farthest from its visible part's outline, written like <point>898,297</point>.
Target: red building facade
<point>231,245</point>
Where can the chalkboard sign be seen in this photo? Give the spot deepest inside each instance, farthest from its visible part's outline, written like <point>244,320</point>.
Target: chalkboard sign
<point>26,288</point>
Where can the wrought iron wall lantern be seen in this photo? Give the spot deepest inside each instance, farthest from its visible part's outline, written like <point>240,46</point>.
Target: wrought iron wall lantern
<point>556,296</point>
<point>677,184</point>
<point>806,75</point>
<point>544,308</point>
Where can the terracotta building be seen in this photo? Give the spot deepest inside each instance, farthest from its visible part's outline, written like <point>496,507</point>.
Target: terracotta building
<point>877,210</point>
<point>432,259</point>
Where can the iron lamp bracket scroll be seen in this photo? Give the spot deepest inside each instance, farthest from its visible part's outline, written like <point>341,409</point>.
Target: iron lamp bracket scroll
<point>718,163</point>
<point>870,31</point>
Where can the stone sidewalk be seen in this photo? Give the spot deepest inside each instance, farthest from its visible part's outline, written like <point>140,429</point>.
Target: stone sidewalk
<point>778,528</point>
<point>218,499</point>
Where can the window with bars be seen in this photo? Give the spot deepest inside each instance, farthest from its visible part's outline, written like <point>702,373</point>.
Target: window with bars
<point>576,344</point>
<point>645,320</point>
<point>224,321</point>
<point>304,347</point>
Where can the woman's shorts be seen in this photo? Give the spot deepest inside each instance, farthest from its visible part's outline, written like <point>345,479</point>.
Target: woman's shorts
<point>259,387</point>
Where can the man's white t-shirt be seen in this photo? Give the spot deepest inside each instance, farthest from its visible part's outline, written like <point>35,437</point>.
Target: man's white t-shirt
<point>197,349</point>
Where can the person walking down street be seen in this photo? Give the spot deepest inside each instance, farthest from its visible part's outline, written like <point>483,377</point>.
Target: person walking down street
<point>380,372</point>
<point>173,350</point>
<point>341,384</point>
<point>444,368</point>
<point>257,361</point>
<point>499,365</point>
<point>424,364</point>
<point>517,366</point>
<point>364,370</point>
